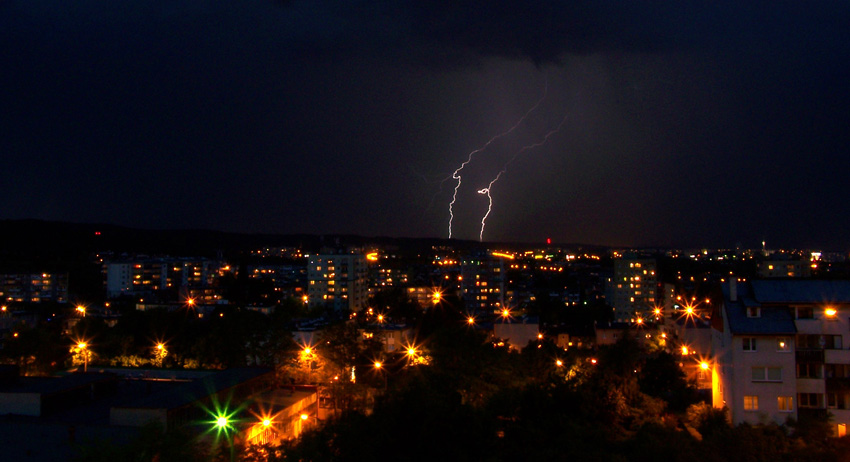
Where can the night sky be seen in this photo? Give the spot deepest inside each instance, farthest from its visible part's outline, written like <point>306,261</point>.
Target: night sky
<point>684,123</point>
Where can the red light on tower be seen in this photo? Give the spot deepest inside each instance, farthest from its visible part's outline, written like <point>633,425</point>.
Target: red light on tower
<point>548,240</point>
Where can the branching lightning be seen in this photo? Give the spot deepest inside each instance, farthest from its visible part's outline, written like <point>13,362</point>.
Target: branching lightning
<point>456,174</point>
<point>489,187</point>
<point>490,205</point>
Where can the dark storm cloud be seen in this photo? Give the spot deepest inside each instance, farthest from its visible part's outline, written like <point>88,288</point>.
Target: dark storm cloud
<point>545,31</point>
<point>699,122</point>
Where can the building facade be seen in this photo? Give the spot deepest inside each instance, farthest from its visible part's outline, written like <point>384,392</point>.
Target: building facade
<point>632,290</point>
<point>482,282</point>
<point>34,287</point>
<point>338,280</point>
<point>167,278</point>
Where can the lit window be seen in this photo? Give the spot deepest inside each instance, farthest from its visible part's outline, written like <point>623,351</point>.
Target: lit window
<point>785,403</point>
<point>751,403</point>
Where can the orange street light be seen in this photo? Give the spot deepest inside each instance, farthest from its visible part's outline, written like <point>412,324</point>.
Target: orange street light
<point>82,346</point>
<point>831,312</point>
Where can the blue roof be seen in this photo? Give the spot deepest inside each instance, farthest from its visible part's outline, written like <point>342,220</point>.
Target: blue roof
<point>801,291</point>
<point>199,389</point>
<point>772,320</point>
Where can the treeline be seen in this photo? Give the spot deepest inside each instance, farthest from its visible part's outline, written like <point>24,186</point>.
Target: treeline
<point>622,403</point>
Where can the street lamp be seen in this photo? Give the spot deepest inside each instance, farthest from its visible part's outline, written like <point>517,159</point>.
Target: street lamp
<point>160,352</point>
<point>381,370</point>
<point>83,348</point>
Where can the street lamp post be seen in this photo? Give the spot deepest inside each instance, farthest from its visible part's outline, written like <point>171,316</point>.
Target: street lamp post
<point>381,370</point>
<point>82,346</point>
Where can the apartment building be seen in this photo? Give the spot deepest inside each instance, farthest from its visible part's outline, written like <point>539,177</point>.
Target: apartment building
<point>338,279</point>
<point>780,350</point>
<point>632,290</point>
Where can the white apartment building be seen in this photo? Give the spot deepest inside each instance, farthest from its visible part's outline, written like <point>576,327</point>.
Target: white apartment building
<point>780,350</point>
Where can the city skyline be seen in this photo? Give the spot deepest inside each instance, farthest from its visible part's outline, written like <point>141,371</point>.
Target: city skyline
<point>664,125</point>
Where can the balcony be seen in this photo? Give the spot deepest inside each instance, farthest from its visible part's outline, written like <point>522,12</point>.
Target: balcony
<point>810,356</point>
<point>837,384</point>
<point>837,356</point>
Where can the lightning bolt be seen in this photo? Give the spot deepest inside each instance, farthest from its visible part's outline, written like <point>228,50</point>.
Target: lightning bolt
<point>489,187</point>
<point>490,206</point>
<point>456,174</point>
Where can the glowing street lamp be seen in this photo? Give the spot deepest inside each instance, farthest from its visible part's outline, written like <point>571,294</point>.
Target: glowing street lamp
<point>159,353</point>
<point>704,365</point>
<point>83,347</point>
<point>82,310</point>
<point>470,320</point>
<point>831,312</point>
<point>436,297</point>
<point>382,370</point>
<point>506,314</point>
